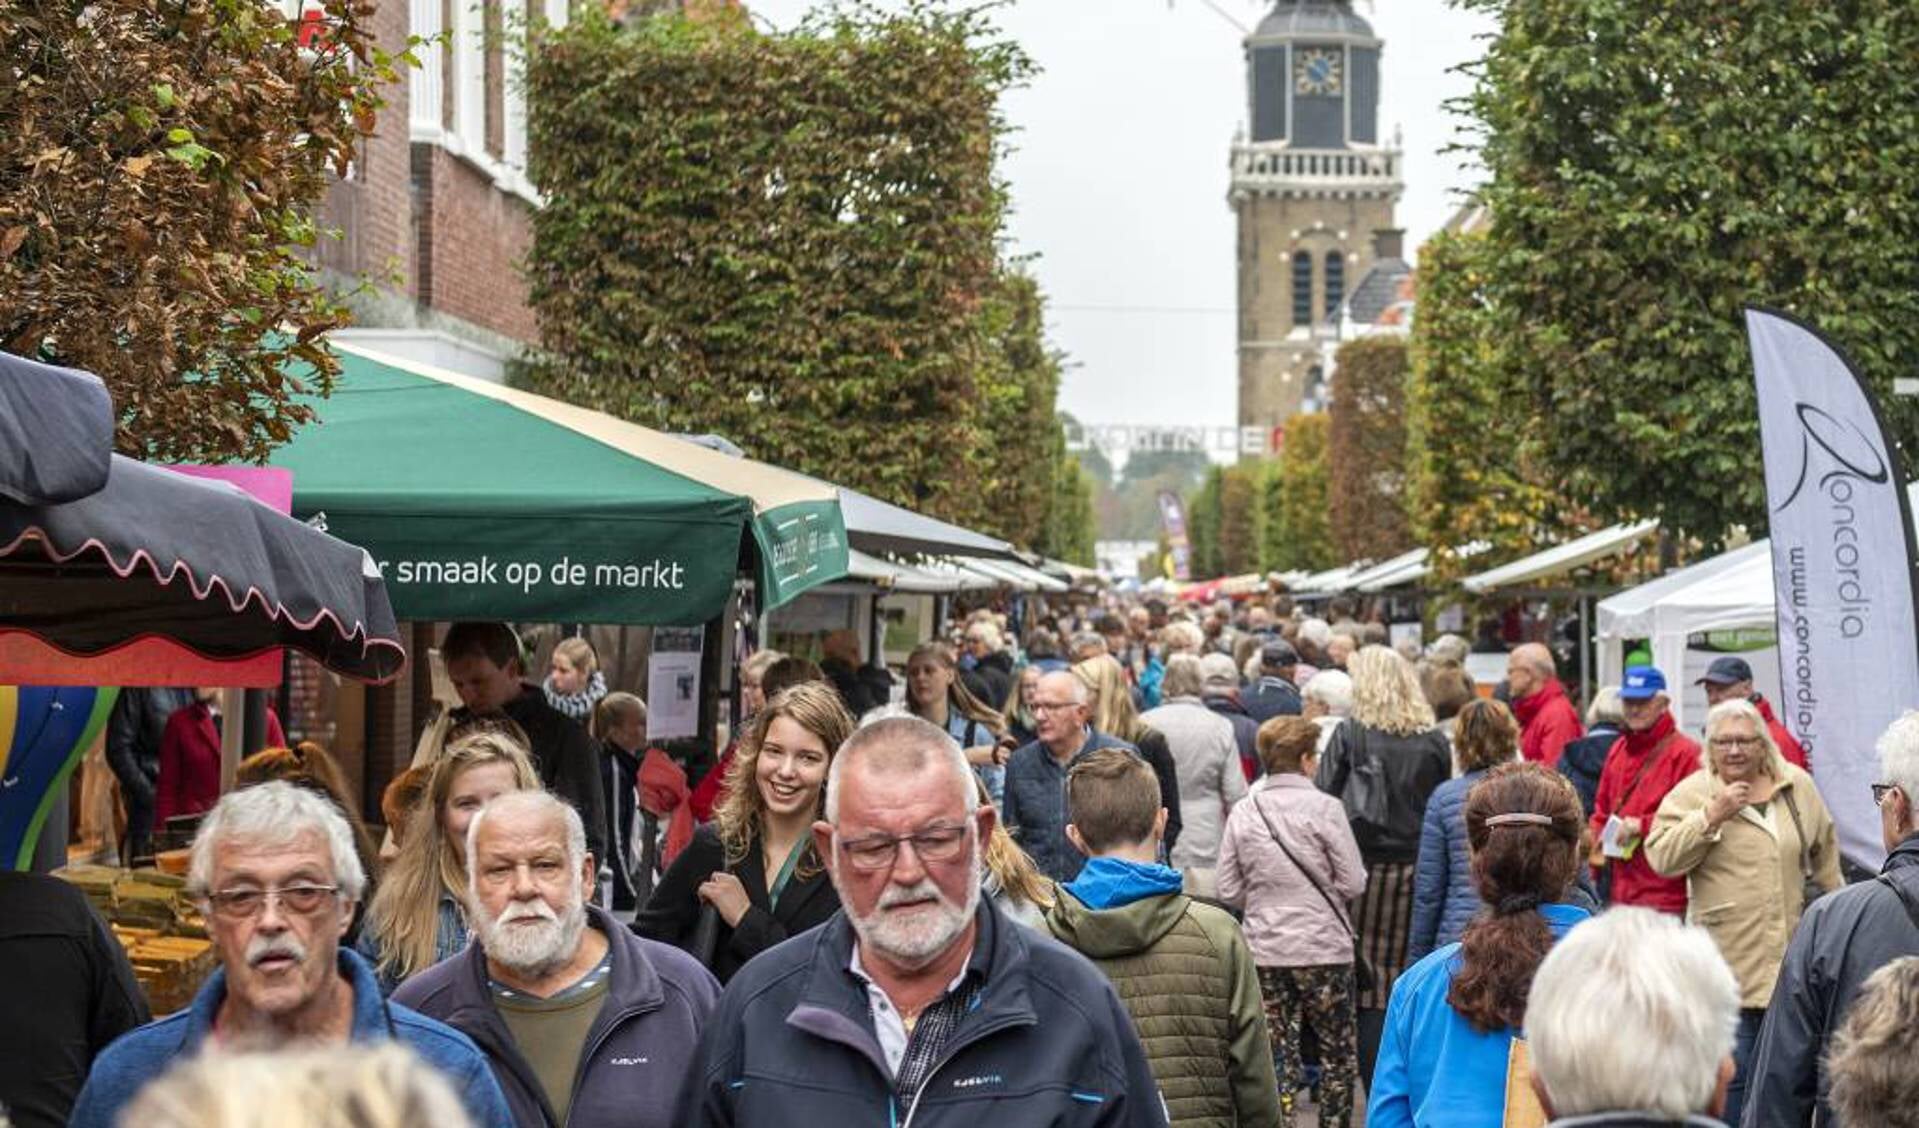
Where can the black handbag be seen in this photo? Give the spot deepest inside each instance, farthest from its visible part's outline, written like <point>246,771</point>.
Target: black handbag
<point>705,940</point>
<point>1364,977</point>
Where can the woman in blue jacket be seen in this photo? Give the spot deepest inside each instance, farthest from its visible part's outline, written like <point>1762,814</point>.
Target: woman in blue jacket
<point>1454,1015</point>
<point>1444,900</point>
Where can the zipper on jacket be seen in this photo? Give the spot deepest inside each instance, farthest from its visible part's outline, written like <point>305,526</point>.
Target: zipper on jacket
<point>593,1049</point>
<point>946,1059</point>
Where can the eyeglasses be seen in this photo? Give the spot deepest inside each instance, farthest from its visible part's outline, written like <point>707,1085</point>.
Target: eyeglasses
<point>245,904</point>
<point>1879,791</point>
<point>879,851</point>
<point>1052,706</point>
<point>1734,742</point>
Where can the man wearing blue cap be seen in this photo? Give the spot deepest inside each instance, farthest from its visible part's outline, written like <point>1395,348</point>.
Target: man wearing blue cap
<point>1646,762</point>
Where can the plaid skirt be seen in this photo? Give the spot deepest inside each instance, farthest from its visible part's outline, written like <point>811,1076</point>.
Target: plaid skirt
<point>1383,917</point>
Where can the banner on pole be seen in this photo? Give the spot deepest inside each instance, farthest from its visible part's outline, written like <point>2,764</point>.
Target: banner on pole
<point>1172,520</point>
<point>1842,564</point>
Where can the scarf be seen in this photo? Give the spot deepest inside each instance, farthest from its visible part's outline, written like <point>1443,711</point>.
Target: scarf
<point>664,794</point>
<point>1640,743</point>
<point>1527,707</point>
<point>579,705</point>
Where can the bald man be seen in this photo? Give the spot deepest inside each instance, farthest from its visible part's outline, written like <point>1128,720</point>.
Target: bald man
<point>1547,717</point>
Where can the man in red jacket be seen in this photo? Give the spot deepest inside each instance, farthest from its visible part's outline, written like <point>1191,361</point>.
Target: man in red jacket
<point>1730,679</point>
<point>1647,760</point>
<point>1548,720</point>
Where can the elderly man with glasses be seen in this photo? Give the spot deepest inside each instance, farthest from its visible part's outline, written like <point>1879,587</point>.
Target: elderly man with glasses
<point>275,871</point>
<point>919,1004</point>
<point>1035,797</point>
<point>1842,939</point>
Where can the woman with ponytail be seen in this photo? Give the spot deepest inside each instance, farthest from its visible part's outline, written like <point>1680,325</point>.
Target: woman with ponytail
<point>1448,1049</point>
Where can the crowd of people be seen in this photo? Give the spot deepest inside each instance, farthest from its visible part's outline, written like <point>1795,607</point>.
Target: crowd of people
<point>1132,865</point>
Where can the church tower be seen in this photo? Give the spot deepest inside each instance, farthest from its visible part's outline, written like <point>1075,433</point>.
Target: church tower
<point>1313,189</point>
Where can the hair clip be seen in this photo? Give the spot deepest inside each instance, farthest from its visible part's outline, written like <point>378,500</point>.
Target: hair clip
<point>1520,818</point>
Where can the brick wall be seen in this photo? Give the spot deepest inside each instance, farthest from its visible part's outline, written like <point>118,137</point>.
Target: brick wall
<point>372,209</point>
<point>472,239</point>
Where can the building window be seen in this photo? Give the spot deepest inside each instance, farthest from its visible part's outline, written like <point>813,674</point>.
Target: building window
<point>1302,288</point>
<point>1335,282</point>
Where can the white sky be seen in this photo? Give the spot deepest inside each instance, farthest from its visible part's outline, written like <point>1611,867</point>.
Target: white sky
<point>1119,180</point>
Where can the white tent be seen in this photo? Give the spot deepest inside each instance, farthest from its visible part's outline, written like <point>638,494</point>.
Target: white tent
<point>1730,592</point>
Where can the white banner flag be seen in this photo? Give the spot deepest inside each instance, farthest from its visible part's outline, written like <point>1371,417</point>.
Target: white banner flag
<point>1843,579</point>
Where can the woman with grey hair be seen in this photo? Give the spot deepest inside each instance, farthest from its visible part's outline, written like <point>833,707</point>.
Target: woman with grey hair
<point>1582,760</point>
<point>1874,1078</point>
<point>1754,841</point>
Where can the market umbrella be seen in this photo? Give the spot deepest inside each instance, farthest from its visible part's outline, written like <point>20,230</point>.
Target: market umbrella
<point>56,432</point>
<point>482,501</point>
<point>159,574</point>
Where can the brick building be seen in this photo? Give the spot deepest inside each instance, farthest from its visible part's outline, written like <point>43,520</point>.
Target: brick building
<point>436,213</point>
<point>1313,190</point>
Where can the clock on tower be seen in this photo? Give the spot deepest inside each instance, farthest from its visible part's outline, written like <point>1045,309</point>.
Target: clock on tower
<point>1317,71</point>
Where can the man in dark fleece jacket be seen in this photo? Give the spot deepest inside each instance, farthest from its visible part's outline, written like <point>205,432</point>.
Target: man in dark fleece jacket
<point>919,1005</point>
<point>1181,967</point>
<point>582,1021</point>
<point>484,664</point>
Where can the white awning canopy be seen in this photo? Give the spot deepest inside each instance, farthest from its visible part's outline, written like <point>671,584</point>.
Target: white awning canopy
<point>1562,558</point>
<point>1403,569</point>
<point>899,577</point>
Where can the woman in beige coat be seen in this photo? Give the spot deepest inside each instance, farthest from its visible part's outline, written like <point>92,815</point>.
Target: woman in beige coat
<point>1749,833</point>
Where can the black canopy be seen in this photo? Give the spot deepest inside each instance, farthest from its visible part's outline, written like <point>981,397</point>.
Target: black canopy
<point>155,554</point>
<point>56,432</point>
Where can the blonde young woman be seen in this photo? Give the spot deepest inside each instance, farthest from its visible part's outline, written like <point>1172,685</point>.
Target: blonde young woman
<point>935,694</point>
<point>574,683</point>
<point>754,864</point>
<point>1750,834</point>
<point>1383,763</point>
<point>1113,713</point>
<point>416,918</point>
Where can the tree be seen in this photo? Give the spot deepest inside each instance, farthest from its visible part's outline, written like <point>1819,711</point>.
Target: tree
<point>1069,533</point>
<point>1367,438</point>
<point>1018,382</point>
<point>1650,170</point>
<point>1302,535</point>
<point>1239,520</point>
<point>788,239</point>
<point>1202,525</point>
<point>1477,453</point>
<point>158,171</point>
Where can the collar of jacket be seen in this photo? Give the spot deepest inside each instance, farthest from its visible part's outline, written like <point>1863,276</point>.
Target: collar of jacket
<point>833,1002</point>
<point>1632,1120</point>
<point>371,1023</point>
<point>634,988</point>
<point>1284,781</point>
<point>1527,707</point>
<point>1904,855</point>
<point>1226,703</point>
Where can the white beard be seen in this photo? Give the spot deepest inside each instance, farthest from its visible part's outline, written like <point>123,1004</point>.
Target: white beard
<point>915,938</point>
<point>533,950</point>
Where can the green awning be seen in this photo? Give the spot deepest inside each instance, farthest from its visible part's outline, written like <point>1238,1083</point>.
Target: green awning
<point>480,501</point>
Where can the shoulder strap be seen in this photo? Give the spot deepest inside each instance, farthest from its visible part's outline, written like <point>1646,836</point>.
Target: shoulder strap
<point>1905,897</point>
<point>1653,756</point>
<point>1805,847</point>
<point>1338,911</point>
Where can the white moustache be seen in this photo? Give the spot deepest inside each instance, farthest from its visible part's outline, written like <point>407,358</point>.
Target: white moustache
<point>528,910</point>
<point>263,948</point>
<point>899,895</point>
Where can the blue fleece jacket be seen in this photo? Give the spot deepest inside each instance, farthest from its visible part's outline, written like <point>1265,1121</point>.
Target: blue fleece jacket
<point>1434,1069</point>
<point>138,1056</point>
<point>1108,883</point>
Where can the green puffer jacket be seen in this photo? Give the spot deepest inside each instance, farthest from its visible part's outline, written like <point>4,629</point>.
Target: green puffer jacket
<point>1187,978</point>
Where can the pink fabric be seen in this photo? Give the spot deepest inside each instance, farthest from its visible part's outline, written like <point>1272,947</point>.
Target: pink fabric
<point>1287,923</point>
<point>189,782</point>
